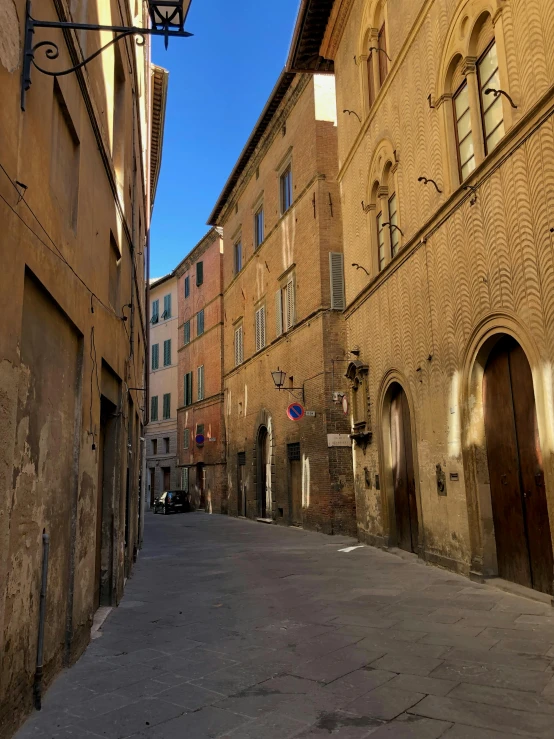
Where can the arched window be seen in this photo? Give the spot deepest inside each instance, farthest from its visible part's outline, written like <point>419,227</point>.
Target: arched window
<point>473,83</point>
<point>383,209</point>
<point>375,53</point>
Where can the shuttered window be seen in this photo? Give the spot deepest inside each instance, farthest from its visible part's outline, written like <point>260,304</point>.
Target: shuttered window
<point>370,80</point>
<point>167,352</point>
<point>186,336</point>
<point>290,307</point>
<point>239,346</point>
<point>260,328</point>
<point>201,383</point>
<point>155,356</point>
<point>154,408</point>
<point>199,273</point>
<point>393,220</point>
<point>188,388</point>
<point>167,307</point>
<point>285,307</point>
<point>200,322</point>
<point>187,286</point>
<point>167,406</point>
<point>155,311</point>
<point>336,271</point>
<point>185,479</point>
<point>186,438</point>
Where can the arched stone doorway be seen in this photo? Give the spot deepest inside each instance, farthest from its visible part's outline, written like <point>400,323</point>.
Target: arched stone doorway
<point>263,473</point>
<point>515,466</point>
<point>404,500</point>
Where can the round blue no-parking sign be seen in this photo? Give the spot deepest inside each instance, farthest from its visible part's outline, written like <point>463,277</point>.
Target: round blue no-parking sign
<point>295,411</point>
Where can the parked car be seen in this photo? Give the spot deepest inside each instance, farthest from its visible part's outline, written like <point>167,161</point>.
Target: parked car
<point>172,501</point>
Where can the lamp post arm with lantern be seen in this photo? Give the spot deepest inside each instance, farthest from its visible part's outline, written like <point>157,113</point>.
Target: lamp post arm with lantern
<point>167,19</point>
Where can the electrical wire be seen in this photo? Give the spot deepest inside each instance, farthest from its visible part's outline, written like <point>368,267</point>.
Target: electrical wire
<point>57,251</point>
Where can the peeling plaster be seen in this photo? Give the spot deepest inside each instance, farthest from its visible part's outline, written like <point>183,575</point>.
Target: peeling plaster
<point>10,53</point>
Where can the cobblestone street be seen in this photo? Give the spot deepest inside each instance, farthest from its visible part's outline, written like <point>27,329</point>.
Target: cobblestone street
<point>236,629</point>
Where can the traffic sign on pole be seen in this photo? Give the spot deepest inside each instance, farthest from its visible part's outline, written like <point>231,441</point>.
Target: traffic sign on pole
<point>295,411</point>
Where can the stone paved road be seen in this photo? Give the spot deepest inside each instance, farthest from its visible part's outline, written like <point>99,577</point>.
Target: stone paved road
<point>236,629</point>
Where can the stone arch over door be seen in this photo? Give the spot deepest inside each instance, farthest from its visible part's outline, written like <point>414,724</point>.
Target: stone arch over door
<point>401,504</point>
<point>503,338</point>
<point>264,468</point>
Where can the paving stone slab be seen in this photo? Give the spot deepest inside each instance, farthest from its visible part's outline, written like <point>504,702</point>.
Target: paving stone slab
<point>408,726</point>
<point>384,702</point>
<point>411,664</point>
<point>485,717</point>
<point>332,666</point>
<point>516,699</point>
<point>190,697</point>
<point>99,705</point>
<point>207,723</point>
<point>341,725</point>
<point>497,676</point>
<point>358,683</point>
<point>270,726</point>
<point>420,684</point>
<point>135,717</point>
<point>459,731</point>
<point>508,659</point>
<point>460,642</point>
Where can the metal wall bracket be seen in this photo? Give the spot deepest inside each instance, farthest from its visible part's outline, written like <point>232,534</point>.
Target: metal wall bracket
<point>51,49</point>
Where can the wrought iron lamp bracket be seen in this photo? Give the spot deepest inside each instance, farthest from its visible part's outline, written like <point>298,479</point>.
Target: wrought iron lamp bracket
<point>52,50</point>
<point>292,390</point>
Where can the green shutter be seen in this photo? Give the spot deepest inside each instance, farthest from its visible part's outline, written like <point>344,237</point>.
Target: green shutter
<point>155,356</point>
<point>167,352</point>
<point>187,333</point>
<point>154,408</point>
<point>167,406</point>
<point>199,273</point>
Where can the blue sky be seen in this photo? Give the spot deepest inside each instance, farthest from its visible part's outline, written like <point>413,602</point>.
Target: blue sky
<point>219,81</point>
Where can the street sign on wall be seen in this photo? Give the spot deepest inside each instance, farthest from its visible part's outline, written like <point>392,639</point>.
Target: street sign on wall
<point>295,411</point>
<point>200,439</point>
<point>338,440</point>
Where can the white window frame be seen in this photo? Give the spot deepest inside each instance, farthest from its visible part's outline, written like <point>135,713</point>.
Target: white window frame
<point>259,328</point>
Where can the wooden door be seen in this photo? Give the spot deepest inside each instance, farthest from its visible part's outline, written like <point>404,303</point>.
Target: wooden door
<point>167,478</point>
<point>405,504</point>
<point>295,472</point>
<point>99,508</point>
<point>241,503</point>
<point>520,513</point>
<point>262,473</point>
<point>152,486</point>
<point>200,481</point>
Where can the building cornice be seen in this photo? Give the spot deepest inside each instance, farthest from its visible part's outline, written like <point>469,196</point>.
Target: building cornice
<point>335,28</point>
<point>196,252</point>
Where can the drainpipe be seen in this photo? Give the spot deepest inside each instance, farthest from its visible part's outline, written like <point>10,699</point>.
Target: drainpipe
<point>37,688</point>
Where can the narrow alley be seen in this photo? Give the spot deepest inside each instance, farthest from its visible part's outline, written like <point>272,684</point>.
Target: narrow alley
<point>230,628</point>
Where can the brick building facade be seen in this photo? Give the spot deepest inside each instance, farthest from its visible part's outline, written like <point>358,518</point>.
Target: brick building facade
<point>161,431</point>
<point>453,157</point>
<point>201,434</point>
<point>281,215</point>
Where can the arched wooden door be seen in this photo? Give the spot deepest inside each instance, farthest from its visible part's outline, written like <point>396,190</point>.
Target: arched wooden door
<point>520,513</point>
<point>261,487</point>
<point>405,504</point>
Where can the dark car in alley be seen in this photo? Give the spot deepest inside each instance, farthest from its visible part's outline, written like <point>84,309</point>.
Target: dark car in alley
<point>172,501</point>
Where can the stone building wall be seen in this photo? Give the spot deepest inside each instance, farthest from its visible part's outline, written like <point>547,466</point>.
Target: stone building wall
<point>302,133</point>
<point>475,260</point>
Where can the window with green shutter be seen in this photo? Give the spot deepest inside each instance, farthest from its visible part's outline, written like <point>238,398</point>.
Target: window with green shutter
<point>199,273</point>
<point>155,356</point>
<point>187,286</point>
<point>200,322</point>
<point>167,406</point>
<point>187,333</point>
<point>154,408</point>
<point>167,307</point>
<point>167,352</point>
<point>188,388</point>
<point>336,271</point>
<point>155,311</point>
<point>201,383</point>
<point>186,438</point>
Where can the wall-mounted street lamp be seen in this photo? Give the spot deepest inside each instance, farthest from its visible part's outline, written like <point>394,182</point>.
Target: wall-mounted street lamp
<point>393,225</point>
<point>167,18</point>
<point>279,379</point>
<point>352,112</point>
